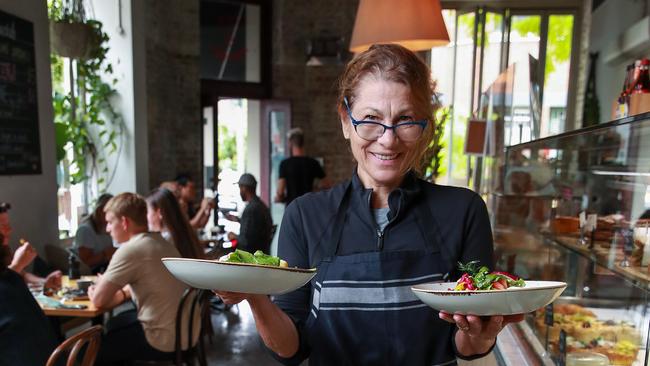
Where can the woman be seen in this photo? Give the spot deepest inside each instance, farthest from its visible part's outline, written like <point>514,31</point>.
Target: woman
<point>378,234</point>
<point>164,215</point>
<point>91,241</point>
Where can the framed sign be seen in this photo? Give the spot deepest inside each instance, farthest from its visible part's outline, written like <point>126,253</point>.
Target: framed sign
<point>20,151</point>
<point>235,48</point>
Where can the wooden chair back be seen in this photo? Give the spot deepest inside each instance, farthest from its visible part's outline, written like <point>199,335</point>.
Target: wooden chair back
<point>91,336</point>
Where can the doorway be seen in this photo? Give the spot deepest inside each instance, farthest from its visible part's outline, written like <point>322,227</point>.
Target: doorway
<point>244,135</point>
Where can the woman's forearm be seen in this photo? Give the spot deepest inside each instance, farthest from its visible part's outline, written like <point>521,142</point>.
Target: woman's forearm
<point>277,330</point>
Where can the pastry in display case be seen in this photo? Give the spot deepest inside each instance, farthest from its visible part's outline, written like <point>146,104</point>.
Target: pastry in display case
<point>590,228</point>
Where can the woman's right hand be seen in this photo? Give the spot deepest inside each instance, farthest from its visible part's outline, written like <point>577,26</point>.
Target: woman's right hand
<point>231,298</point>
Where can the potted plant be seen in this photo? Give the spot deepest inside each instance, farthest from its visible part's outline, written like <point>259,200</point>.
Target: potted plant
<point>431,162</point>
<point>86,122</point>
<point>71,34</point>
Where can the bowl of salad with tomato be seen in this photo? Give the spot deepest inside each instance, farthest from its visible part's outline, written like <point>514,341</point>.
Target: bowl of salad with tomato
<point>481,291</point>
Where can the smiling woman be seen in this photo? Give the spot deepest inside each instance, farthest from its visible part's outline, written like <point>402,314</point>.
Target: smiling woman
<point>391,87</point>
<point>378,234</point>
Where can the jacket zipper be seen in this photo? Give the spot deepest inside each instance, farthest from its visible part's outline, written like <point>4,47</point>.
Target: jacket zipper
<point>380,233</point>
<point>380,239</point>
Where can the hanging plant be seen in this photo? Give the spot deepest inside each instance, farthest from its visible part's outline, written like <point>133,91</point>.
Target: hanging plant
<point>71,35</point>
<point>85,120</point>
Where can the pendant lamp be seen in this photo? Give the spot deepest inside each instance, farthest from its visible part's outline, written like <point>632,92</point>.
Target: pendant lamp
<point>414,24</point>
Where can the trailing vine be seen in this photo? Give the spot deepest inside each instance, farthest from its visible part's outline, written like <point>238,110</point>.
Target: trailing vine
<point>85,119</point>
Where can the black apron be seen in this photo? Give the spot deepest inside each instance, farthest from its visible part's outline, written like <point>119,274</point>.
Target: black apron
<point>363,311</point>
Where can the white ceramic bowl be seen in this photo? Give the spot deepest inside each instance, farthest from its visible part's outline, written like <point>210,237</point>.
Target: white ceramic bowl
<point>238,277</point>
<point>514,300</point>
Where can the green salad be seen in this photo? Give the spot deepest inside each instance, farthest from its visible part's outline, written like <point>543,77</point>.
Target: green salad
<point>242,256</point>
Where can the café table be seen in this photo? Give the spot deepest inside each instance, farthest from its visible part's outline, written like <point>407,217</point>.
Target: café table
<point>90,310</point>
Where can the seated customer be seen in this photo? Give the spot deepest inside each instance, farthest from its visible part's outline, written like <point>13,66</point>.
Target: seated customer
<point>26,337</point>
<point>91,241</point>
<point>136,271</point>
<point>198,214</point>
<point>164,215</point>
<point>24,254</point>
<point>256,222</point>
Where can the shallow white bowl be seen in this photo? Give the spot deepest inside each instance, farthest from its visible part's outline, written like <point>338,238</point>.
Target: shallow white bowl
<point>514,300</point>
<point>238,277</point>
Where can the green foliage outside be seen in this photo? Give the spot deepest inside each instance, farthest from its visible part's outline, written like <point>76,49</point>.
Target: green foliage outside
<point>93,128</point>
<point>432,161</point>
<point>458,157</point>
<point>560,32</point>
<point>227,143</point>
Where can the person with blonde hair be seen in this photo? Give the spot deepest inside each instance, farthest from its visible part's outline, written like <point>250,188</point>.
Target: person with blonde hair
<point>378,234</point>
<point>137,272</point>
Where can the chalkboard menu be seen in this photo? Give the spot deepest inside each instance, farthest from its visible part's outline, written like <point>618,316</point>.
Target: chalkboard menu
<point>20,151</point>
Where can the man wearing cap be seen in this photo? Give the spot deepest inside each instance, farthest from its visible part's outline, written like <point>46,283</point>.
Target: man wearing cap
<point>298,173</point>
<point>256,222</point>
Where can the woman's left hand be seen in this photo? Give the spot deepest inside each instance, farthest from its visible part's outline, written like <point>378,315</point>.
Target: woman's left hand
<point>476,334</point>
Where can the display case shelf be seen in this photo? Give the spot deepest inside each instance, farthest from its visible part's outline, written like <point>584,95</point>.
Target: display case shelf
<point>541,189</point>
<point>606,256</point>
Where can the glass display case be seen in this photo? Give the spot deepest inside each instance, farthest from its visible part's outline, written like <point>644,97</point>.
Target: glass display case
<point>576,208</point>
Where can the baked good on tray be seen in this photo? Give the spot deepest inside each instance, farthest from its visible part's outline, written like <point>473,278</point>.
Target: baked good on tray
<point>618,340</point>
<point>565,225</point>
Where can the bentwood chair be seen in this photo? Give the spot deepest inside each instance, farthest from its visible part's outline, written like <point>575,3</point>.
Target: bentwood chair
<point>91,336</point>
<point>197,300</point>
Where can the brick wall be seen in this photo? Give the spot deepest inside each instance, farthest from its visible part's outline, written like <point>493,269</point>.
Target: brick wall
<point>173,86</point>
<point>312,89</point>
<point>173,90</point>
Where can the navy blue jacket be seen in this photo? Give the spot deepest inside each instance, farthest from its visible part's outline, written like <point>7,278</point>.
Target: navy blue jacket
<point>26,337</point>
<point>460,215</point>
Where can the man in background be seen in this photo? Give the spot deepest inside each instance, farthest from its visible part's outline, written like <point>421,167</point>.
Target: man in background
<point>198,214</point>
<point>24,255</point>
<point>299,173</point>
<point>256,223</point>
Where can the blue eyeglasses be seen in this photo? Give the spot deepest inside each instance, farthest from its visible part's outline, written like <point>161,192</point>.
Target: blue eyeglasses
<point>371,131</point>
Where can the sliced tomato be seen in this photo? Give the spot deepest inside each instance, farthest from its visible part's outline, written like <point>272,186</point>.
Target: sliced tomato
<point>507,274</point>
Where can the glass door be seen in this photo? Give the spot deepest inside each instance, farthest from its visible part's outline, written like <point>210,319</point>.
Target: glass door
<point>275,123</point>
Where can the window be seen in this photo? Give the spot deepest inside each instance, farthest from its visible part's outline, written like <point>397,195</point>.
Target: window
<point>484,42</point>
<point>557,116</point>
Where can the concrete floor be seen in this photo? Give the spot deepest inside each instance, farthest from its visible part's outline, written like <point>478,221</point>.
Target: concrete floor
<point>235,340</point>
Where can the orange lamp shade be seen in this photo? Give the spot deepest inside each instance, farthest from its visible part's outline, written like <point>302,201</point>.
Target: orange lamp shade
<point>414,24</point>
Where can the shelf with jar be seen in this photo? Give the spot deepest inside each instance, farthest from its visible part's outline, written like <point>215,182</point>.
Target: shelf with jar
<point>619,246</point>
<point>635,96</point>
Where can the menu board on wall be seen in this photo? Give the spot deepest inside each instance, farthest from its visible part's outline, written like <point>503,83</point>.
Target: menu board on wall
<point>20,151</point>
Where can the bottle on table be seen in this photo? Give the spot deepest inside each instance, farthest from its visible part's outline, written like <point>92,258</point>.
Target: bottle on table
<point>73,267</point>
